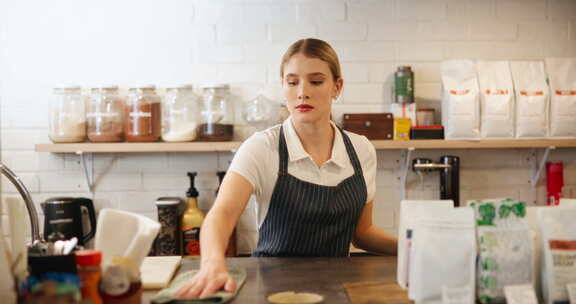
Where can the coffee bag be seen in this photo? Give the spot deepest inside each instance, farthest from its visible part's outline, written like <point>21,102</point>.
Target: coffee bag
<point>562,77</point>
<point>496,99</point>
<point>532,98</point>
<point>460,99</point>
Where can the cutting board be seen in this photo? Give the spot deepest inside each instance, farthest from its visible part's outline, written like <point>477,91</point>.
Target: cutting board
<point>376,292</point>
<point>157,272</point>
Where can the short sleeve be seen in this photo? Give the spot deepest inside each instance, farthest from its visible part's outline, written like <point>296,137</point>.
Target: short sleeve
<point>369,167</point>
<point>248,160</point>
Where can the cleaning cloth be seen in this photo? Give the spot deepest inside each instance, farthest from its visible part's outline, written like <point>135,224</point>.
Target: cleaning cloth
<point>167,295</point>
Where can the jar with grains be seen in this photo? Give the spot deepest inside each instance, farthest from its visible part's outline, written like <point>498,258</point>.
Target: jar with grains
<point>105,114</point>
<point>143,115</point>
<point>67,121</point>
<point>179,114</point>
<point>216,114</point>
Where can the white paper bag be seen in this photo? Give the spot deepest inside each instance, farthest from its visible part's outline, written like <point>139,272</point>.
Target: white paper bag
<point>496,99</point>
<point>562,77</point>
<point>444,255</point>
<point>559,244</point>
<point>506,250</point>
<point>409,210</point>
<point>532,98</point>
<point>460,99</point>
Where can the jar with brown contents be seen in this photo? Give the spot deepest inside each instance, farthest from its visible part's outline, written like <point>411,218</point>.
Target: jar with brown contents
<point>105,115</point>
<point>217,114</point>
<point>142,120</point>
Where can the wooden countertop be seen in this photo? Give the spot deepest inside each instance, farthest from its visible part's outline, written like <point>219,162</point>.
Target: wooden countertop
<point>318,275</point>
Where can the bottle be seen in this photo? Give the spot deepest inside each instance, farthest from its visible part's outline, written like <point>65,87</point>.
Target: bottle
<point>191,221</point>
<point>404,85</point>
<point>88,262</point>
<point>231,249</point>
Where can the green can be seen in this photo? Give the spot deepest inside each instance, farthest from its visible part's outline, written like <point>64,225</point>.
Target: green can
<point>404,85</point>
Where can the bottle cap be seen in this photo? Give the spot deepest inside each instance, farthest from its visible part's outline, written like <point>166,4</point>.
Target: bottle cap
<point>192,192</point>
<point>88,257</point>
<point>168,200</point>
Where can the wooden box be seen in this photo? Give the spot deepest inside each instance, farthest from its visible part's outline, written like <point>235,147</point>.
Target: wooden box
<point>371,125</point>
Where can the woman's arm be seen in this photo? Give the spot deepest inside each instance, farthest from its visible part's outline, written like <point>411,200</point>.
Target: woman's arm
<point>216,229</point>
<point>371,238</point>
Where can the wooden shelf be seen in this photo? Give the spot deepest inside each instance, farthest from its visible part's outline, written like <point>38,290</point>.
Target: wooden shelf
<point>140,147</point>
<point>474,144</point>
<point>230,146</point>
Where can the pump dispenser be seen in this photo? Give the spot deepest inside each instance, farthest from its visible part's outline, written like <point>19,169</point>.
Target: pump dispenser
<point>191,222</point>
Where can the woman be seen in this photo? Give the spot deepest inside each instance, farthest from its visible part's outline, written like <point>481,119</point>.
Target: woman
<point>314,183</point>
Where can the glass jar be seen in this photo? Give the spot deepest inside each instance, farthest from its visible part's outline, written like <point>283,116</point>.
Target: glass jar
<point>180,114</point>
<point>257,112</point>
<point>143,116</point>
<point>104,115</point>
<point>67,121</point>
<point>216,114</point>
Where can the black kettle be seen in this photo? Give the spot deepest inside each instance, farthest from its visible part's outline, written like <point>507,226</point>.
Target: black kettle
<point>63,219</point>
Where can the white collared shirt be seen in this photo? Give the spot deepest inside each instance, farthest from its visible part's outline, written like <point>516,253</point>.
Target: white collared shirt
<point>258,160</point>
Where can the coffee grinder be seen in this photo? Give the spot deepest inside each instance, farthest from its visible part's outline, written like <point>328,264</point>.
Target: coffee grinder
<point>449,167</point>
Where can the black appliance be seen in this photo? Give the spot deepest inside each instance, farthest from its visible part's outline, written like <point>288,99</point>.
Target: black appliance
<point>63,219</point>
<point>449,167</point>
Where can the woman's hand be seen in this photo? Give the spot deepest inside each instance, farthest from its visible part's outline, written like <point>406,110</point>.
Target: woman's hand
<point>206,282</point>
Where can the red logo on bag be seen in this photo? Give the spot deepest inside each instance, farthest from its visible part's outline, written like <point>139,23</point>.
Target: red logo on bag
<point>496,92</point>
<point>562,245</point>
<point>533,93</point>
<point>459,92</point>
<point>565,93</point>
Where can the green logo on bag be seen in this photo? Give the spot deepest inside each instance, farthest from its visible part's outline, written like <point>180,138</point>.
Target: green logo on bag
<point>487,214</point>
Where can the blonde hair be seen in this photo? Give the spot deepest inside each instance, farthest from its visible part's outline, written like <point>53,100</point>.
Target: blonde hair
<point>314,48</point>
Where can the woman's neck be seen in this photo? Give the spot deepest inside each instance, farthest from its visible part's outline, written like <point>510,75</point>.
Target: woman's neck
<point>317,139</point>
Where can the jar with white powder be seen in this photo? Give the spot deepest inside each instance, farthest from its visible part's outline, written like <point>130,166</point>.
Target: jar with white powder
<point>67,121</point>
<point>180,113</point>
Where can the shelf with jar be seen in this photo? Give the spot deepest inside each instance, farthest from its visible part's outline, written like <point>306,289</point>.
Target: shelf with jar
<point>233,145</point>
<point>106,116</point>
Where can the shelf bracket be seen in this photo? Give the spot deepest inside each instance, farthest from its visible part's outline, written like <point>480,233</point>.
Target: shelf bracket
<point>540,166</point>
<point>88,168</point>
<point>405,159</point>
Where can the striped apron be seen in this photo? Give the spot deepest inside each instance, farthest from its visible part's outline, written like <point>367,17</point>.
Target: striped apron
<point>306,219</point>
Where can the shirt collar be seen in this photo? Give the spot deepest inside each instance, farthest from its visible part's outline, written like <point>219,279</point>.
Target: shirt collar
<point>296,151</point>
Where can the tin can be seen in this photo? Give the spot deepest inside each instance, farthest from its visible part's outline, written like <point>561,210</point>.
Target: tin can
<point>404,85</point>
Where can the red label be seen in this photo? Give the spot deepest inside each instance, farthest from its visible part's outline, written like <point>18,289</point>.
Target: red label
<point>565,93</point>
<point>459,92</point>
<point>562,245</point>
<point>496,92</point>
<point>191,240</point>
<point>533,93</point>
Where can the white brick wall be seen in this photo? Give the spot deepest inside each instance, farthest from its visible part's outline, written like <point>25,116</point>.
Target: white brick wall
<point>242,42</point>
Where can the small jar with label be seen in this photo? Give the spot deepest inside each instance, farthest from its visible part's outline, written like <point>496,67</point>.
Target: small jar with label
<point>67,121</point>
<point>104,115</point>
<point>180,114</point>
<point>90,273</point>
<point>143,115</point>
<point>216,114</point>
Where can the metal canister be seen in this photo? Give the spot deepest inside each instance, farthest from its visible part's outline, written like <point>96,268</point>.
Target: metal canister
<point>168,240</point>
<point>404,85</point>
